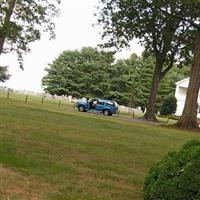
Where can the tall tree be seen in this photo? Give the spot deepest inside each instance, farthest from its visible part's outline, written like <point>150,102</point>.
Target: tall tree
<point>165,36</point>
<point>81,73</point>
<point>121,77</point>
<point>191,18</point>
<point>21,22</point>
<point>143,81</point>
<point>143,77</point>
<point>189,115</point>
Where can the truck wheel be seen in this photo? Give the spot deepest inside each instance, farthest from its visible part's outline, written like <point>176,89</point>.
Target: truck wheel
<point>106,112</point>
<point>81,108</point>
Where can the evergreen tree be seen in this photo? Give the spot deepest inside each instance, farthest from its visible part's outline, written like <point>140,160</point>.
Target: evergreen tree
<point>169,105</point>
<point>79,73</point>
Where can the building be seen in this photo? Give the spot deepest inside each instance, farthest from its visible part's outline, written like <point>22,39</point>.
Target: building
<point>180,94</point>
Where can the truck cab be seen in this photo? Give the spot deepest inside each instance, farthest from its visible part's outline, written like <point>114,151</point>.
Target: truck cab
<point>96,105</point>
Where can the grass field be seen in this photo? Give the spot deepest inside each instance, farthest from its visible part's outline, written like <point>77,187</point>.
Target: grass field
<point>54,153</point>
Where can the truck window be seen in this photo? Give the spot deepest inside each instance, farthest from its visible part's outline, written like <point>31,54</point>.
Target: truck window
<point>109,103</point>
<point>101,103</point>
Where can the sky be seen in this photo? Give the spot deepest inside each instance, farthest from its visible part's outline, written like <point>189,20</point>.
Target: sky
<point>74,30</point>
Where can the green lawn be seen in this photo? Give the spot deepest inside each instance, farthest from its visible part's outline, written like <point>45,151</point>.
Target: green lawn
<point>55,153</point>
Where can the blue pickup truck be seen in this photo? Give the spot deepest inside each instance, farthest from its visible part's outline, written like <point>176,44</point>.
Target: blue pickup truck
<point>96,105</point>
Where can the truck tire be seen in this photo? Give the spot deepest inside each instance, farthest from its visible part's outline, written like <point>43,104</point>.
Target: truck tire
<point>81,108</point>
<point>106,112</point>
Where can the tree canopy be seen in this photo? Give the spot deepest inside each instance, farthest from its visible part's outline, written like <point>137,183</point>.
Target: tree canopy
<point>79,73</point>
<point>90,72</point>
<point>22,21</point>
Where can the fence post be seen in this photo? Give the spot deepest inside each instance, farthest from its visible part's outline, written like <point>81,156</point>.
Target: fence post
<point>26,98</point>
<point>118,112</point>
<point>8,94</point>
<point>59,103</point>
<point>168,120</point>
<point>42,100</point>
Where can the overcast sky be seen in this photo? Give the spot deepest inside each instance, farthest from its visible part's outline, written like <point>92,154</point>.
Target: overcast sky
<point>73,31</point>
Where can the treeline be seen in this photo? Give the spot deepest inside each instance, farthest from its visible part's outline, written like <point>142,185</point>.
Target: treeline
<point>94,73</point>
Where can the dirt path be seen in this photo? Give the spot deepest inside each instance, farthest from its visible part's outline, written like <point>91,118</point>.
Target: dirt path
<point>120,117</point>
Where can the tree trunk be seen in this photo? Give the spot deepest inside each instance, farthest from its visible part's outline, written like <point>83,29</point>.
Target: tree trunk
<point>2,39</point>
<point>150,112</point>
<point>189,115</point>
<point>4,29</point>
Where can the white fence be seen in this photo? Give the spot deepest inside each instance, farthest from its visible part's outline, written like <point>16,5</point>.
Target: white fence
<point>44,95</point>
<point>130,110</point>
<point>65,98</point>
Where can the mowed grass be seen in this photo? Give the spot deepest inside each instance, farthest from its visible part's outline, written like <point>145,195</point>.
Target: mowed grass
<point>54,153</point>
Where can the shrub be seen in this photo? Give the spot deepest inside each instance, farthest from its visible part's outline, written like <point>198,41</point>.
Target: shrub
<point>169,105</point>
<point>176,177</point>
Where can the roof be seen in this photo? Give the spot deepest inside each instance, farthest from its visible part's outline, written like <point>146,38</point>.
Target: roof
<point>183,81</point>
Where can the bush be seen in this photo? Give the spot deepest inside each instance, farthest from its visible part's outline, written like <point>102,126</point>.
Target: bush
<point>169,105</point>
<point>176,177</point>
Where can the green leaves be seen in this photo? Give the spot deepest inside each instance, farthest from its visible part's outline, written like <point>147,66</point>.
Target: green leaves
<point>23,21</point>
<point>169,105</point>
<point>176,176</point>
<point>92,73</point>
<point>81,73</point>
<point>163,27</point>
<point>3,74</point>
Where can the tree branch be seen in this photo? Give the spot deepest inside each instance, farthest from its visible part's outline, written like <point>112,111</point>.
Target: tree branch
<point>6,23</point>
<point>168,68</point>
<point>192,23</point>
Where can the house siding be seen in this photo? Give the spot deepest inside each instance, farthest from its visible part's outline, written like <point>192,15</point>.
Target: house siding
<point>180,94</point>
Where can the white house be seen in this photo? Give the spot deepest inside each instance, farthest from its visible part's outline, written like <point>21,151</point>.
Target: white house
<point>180,94</point>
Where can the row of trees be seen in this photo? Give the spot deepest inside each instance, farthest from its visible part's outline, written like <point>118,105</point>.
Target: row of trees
<point>170,30</point>
<point>93,73</point>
